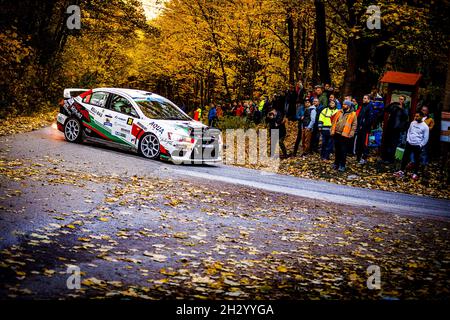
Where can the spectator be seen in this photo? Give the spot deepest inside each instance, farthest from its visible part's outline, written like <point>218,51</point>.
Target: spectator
<point>212,115</point>
<point>374,93</point>
<point>299,117</point>
<point>336,101</point>
<point>198,114</point>
<point>355,106</point>
<point>291,99</point>
<point>323,99</point>
<point>363,130</point>
<point>325,127</point>
<point>300,89</point>
<point>257,115</point>
<point>416,139</point>
<point>219,111</point>
<point>378,108</point>
<point>328,90</point>
<point>309,119</point>
<point>240,110</point>
<point>343,129</point>
<point>315,133</point>
<point>234,108</point>
<point>277,121</point>
<point>424,156</point>
<point>397,123</point>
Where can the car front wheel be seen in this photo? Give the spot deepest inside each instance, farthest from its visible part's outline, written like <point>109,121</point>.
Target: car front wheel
<point>72,130</point>
<point>149,146</point>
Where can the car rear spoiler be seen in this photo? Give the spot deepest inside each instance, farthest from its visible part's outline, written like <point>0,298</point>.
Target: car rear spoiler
<point>73,92</point>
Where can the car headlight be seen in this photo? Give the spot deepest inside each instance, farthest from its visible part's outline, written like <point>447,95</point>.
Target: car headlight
<point>180,138</point>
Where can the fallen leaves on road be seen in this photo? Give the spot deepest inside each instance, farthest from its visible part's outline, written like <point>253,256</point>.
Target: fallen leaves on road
<point>373,175</point>
<point>20,124</point>
<point>148,238</point>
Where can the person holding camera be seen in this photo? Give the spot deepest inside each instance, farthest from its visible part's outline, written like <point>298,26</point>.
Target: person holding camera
<point>277,121</point>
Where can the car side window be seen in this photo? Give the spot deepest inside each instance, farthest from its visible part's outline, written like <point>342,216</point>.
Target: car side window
<point>123,105</point>
<point>97,99</point>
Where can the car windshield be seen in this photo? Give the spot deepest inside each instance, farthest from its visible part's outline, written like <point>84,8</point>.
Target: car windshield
<point>159,108</point>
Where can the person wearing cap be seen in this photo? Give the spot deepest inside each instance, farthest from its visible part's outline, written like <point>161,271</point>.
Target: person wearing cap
<point>323,99</point>
<point>343,128</point>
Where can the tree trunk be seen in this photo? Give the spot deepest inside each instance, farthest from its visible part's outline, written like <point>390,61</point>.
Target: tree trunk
<point>298,49</point>
<point>352,56</point>
<point>290,27</point>
<point>216,44</point>
<point>315,76</point>
<point>350,72</point>
<point>322,47</point>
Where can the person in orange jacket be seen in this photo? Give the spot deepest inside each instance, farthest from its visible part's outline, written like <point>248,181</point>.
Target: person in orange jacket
<point>343,128</point>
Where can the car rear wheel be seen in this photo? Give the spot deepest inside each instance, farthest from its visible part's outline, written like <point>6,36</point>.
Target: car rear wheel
<point>72,130</point>
<point>149,146</point>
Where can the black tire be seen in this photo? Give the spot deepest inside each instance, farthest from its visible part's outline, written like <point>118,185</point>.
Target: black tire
<point>149,146</point>
<point>72,130</point>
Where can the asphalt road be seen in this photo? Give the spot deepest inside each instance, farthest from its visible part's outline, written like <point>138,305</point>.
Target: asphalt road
<point>50,142</point>
<point>151,229</point>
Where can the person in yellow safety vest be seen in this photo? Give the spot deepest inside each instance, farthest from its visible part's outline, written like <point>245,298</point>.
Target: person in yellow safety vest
<point>261,104</point>
<point>198,114</point>
<point>343,128</point>
<point>325,128</point>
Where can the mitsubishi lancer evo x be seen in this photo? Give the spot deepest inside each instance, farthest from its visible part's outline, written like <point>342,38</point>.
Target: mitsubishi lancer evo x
<point>140,121</point>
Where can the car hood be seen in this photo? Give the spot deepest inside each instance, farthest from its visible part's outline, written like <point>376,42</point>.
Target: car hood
<point>181,127</point>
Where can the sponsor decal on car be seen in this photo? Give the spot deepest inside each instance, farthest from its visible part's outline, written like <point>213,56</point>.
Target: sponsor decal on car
<point>61,118</point>
<point>156,127</point>
<point>142,126</point>
<point>107,123</point>
<point>120,134</point>
<point>120,118</point>
<point>97,112</point>
<point>125,130</point>
<point>80,112</point>
<point>130,121</point>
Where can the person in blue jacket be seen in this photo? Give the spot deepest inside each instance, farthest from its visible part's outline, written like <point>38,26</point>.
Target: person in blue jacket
<point>299,117</point>
<point>212,116</point>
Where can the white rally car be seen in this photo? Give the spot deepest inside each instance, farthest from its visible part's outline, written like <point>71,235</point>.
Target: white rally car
<point>137,120</point>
